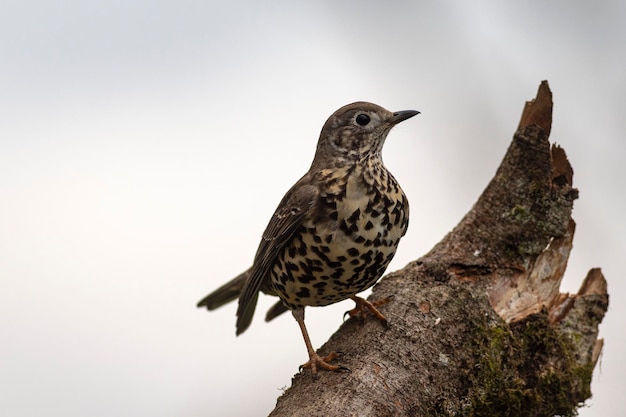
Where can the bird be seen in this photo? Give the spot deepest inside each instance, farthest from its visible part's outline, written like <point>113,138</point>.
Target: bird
<point>334,232</point>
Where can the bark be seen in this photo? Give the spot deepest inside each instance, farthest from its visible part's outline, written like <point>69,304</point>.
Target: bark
<point>477,326</point>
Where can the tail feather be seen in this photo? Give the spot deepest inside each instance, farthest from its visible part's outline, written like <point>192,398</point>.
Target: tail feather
<point>230,292</point>
<point>226,293</point>
<point>276,310</point>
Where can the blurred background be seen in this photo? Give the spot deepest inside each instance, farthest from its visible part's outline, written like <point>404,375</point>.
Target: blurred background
<point>145,144</point>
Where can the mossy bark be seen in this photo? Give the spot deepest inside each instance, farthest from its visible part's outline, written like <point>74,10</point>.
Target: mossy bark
<point>477,327</point>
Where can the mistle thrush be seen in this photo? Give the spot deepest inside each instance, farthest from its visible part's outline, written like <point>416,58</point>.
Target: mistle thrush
<point>334,232</point>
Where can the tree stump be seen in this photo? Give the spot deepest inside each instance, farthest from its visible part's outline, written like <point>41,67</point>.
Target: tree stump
<point>477,326</point>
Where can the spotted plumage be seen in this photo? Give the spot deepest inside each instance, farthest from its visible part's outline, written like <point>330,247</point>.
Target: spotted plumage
<point>334,232</point>
<point>346,240</point>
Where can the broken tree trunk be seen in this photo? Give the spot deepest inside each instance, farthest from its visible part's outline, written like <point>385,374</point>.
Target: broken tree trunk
<point>477,327</point>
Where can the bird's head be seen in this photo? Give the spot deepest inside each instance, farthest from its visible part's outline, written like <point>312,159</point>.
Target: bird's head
<point>357,131</point>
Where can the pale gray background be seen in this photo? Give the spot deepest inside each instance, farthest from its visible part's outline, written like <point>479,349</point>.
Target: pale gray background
<point>145,144</point>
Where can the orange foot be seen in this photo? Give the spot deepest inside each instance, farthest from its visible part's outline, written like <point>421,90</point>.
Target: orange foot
<point>316,361</point>
<point>363,306</point>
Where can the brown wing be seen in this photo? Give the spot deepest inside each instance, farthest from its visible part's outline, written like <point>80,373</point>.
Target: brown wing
<point>289,215</point>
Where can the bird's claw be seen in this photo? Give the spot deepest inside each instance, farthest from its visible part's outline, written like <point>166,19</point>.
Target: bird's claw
<point>363,306</point>
<point>317,362</point>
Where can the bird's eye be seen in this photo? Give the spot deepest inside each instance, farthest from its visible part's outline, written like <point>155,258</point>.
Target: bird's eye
<point>362,119</point>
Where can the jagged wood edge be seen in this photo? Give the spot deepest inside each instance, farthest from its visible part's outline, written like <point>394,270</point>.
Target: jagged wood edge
<point>447,350</point>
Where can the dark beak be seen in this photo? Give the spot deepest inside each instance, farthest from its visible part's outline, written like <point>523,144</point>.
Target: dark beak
<point>401,116</point>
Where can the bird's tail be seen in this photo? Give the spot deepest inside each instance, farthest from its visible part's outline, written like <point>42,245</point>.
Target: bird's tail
<point>231,291</point>
<point>276,310</point>
<point>226,293</point>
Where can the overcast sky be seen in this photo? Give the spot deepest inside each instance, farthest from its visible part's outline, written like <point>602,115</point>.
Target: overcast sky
<point>145,144</point>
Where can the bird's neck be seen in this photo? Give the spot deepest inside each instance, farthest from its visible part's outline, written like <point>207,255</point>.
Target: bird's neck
<point>350,162</point>
<point>367,171</point>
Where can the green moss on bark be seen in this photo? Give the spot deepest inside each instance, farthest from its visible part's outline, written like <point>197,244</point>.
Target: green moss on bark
<point>526,367</point>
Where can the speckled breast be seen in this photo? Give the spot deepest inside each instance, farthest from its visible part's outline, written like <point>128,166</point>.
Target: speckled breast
<point>346,243</point>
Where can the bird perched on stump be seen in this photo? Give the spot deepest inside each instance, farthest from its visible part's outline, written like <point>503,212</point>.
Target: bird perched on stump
<point>334,232</point>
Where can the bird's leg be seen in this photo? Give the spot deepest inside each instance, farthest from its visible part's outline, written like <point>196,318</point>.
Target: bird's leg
<point>315,361</point>
<point>363,306</point>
